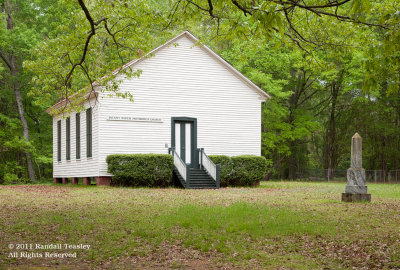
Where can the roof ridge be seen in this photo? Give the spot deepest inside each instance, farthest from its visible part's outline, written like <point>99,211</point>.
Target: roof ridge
<point>261,92</point>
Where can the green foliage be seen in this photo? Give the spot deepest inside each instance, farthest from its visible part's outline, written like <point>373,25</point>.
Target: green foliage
<point>11,178</point>
<point>29,27</point>
<point>243,170</point>
<point>149,170</point>
<point>226,168</point>
<point>125,31</point>
<point>10,173</point>
<point>382,49</point>
<point>303,124</point>
<point>283,74</point>
<point>248,170</point>
<point>296,63</point>
<point>12,145</point>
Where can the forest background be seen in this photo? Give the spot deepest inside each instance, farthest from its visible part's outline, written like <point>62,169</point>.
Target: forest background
<point>332,69</point>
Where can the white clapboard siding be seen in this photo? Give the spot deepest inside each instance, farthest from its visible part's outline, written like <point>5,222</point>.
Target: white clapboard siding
<point>181,81</point>
<point>84,167</point>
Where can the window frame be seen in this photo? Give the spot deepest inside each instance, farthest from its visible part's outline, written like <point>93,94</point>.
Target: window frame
<point>59,140</point>
<point>78,136</point>
<point>89,133</point>
<point>68,138</point>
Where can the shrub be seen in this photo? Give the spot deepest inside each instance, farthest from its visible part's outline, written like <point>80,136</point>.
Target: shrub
<point>243,170</point>
<point>12,173</point>
<point>226,168</point>
<point>248,170</point>
<point>150,170</point>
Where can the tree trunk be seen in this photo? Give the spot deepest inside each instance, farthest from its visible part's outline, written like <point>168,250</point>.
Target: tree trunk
<point>332,133</point>
<point>17,91</point>
<point>13,66</point>
<point>292,167</point>
<point>397,128</point>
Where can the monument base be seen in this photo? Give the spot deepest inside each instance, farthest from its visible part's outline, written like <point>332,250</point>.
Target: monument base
<point>356,189</point>
<point>356,197</point>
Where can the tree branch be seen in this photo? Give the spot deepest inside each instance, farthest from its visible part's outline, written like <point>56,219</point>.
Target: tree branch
<point>295,30</point>
<point>316,10</point>
<point>245,11</point>
<point>209,10</point>
<point>87,14</point>
<point>199,7</point>
<point>174,8</point>
<point>296,3</point>
<point>91,34</point>
<point>4,57</point>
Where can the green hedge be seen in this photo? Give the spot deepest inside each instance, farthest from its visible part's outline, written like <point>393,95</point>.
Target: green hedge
<point>149,170</point>
<point>243,170</point>
<point>249,170</point>
<point>226,168</point>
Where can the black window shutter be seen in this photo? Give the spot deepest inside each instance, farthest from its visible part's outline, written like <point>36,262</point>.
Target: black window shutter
<point>78,135</point>
<point>59,140</point>
<point>68,138</point>
<point>89,132</point>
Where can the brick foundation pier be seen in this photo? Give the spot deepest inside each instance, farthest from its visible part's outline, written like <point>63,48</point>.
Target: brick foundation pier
<point>86,181</point>
<point>57,180</point>
<point>74,180</point>
<point>103,180</point>
<point>100,180</point>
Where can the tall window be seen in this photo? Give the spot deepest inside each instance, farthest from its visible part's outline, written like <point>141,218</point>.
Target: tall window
<point>59,140</point>
<point>89,132</point>
<point>68,138</point>
<point>78,135</point>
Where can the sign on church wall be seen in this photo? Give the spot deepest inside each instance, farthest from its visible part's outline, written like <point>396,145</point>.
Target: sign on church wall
<point>134,119</point>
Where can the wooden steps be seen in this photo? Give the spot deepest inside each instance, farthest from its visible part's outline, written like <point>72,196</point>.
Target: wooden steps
<point>199,179</point>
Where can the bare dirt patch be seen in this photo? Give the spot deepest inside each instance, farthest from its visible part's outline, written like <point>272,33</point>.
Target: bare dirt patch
<point>40,190</point>
<point>169,256</point>
<point>359,254</point>
<point>165,256</point>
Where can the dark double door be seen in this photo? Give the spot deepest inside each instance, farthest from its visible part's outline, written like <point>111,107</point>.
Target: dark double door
<point>184,139</point>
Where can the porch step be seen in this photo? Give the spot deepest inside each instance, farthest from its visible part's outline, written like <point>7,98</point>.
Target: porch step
<point>199,179</point>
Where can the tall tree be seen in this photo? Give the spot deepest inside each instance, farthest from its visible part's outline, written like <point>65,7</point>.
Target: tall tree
<point>93,38</point>
<point>11,56</point>
<point>287,120</point>
<point>315,85</point>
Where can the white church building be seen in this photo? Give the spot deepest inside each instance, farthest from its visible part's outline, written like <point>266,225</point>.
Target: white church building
<point>187,98</point>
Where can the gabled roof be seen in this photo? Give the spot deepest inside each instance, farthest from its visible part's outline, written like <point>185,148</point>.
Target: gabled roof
<point>189,35</point>
<point>263,95</point>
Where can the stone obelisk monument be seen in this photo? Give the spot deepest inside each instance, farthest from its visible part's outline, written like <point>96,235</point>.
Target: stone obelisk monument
<point>356,190</point>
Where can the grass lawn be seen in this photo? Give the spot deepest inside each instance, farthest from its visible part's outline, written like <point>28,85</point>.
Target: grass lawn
<point>285,225</point>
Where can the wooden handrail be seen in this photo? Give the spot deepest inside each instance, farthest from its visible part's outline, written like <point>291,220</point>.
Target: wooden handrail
<point>212,169</point>
<point>182,168</point>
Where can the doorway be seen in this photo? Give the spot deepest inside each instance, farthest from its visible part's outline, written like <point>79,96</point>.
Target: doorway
<point>184,139</point>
